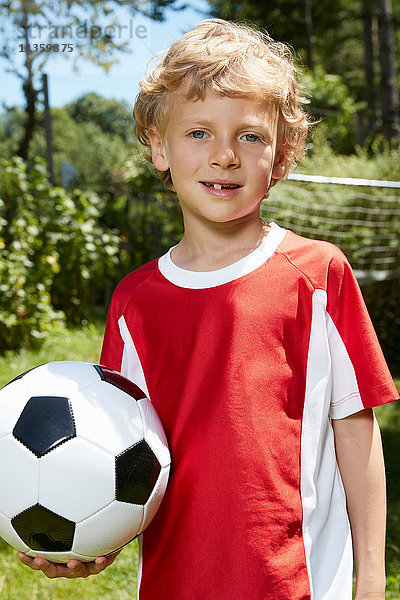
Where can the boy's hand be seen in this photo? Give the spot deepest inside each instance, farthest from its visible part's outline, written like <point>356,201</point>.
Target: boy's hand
<point>74,568</point>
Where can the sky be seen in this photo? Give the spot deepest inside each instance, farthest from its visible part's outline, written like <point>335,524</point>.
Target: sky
<point>145,37</point>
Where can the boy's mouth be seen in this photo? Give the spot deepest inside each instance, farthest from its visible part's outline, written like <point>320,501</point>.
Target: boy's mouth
<point>221,186</point>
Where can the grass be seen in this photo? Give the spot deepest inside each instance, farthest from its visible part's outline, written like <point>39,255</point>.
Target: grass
<point>118,582</point>
<point>63,344</point>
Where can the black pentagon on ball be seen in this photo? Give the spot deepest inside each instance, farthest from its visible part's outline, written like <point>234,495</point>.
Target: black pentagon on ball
<point>137,470</point>
<point>45,423</point>
<point>43,530</point>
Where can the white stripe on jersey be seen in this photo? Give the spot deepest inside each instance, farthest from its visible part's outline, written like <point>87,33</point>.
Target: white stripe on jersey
<point>326,529</point>
<point>131,366</point>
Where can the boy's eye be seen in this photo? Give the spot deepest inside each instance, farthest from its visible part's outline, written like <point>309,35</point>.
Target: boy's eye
<point>251,137</point>
<point>197,134</point>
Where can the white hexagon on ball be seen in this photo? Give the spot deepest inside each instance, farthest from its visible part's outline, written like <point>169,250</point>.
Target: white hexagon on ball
<point>9,534</point>
<point>19,472</point>
<point>107,416</point>
<point>13,398</point>
<point>109,529</point>
<point>84,484</point>
<point>154,432</point>
<point>153,503</point>
<point>55,378</point>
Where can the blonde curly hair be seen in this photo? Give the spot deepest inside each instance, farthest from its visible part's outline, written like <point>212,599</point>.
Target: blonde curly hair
<point>229,59</point>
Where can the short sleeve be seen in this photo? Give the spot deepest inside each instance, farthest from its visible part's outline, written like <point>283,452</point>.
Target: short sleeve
<point>360,375</point>
<point>113,345</point>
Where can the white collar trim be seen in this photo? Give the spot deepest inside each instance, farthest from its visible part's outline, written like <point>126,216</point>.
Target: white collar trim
<point>206,279</point>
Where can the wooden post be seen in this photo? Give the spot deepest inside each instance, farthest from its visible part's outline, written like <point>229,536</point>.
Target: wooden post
<point>308,17</point>
<point>47,126</point>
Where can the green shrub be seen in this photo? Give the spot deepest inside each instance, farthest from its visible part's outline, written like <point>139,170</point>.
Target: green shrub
<point>382,163</point>
<point>331,101</point>
<point>86,254</point>
<point>54,254</point>
<point>26,312</point>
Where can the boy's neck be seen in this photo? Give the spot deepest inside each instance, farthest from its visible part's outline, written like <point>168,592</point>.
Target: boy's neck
<point>208,249</point>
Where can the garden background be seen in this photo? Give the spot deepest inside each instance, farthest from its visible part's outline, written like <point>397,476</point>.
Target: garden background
<point>80,208</point>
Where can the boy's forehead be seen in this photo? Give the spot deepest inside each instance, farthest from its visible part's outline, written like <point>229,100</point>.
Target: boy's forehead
<point>246,109</point>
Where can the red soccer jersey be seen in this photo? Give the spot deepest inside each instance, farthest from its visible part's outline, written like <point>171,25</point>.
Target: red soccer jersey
<point>245,366</point>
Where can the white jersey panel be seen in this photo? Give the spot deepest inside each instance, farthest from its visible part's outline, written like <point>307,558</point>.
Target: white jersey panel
<point>140,565</point>
<point>131,366</point>
<point>326,529</point>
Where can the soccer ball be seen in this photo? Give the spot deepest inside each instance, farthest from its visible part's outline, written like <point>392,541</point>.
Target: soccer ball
<point>84,461</point>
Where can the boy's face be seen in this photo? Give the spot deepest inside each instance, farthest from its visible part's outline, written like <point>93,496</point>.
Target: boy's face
<point>214,142</point>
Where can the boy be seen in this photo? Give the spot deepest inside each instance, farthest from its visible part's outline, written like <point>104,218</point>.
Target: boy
<point>254,346</point>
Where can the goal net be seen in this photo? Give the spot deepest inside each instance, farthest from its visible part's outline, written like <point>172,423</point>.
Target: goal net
<point>360,216</point>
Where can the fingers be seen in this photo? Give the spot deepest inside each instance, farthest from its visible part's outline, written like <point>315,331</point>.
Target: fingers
<point>73,569</point>
<point>26,560</point>
<point>51,570</point>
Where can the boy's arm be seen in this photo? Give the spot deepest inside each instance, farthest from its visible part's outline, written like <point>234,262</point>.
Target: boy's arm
<point>360,459</point>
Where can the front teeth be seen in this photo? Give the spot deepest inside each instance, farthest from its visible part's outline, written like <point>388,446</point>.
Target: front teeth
<point>217,186</point>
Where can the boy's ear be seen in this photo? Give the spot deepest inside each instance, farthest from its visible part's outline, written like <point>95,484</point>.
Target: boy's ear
<point>278,170</point>
<point>158,155</point>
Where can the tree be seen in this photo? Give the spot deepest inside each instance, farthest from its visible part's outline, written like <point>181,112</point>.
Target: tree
<point>92,134</point>
<point>110,115</point>
<point>370,70</point>
<point>341,41</point>
<point>310,34</point>
<point>93,150</point>
<point>387,54</point>
<point>33,19</point>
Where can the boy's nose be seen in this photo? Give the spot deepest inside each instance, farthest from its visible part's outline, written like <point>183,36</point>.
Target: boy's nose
<point>224,156</point>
